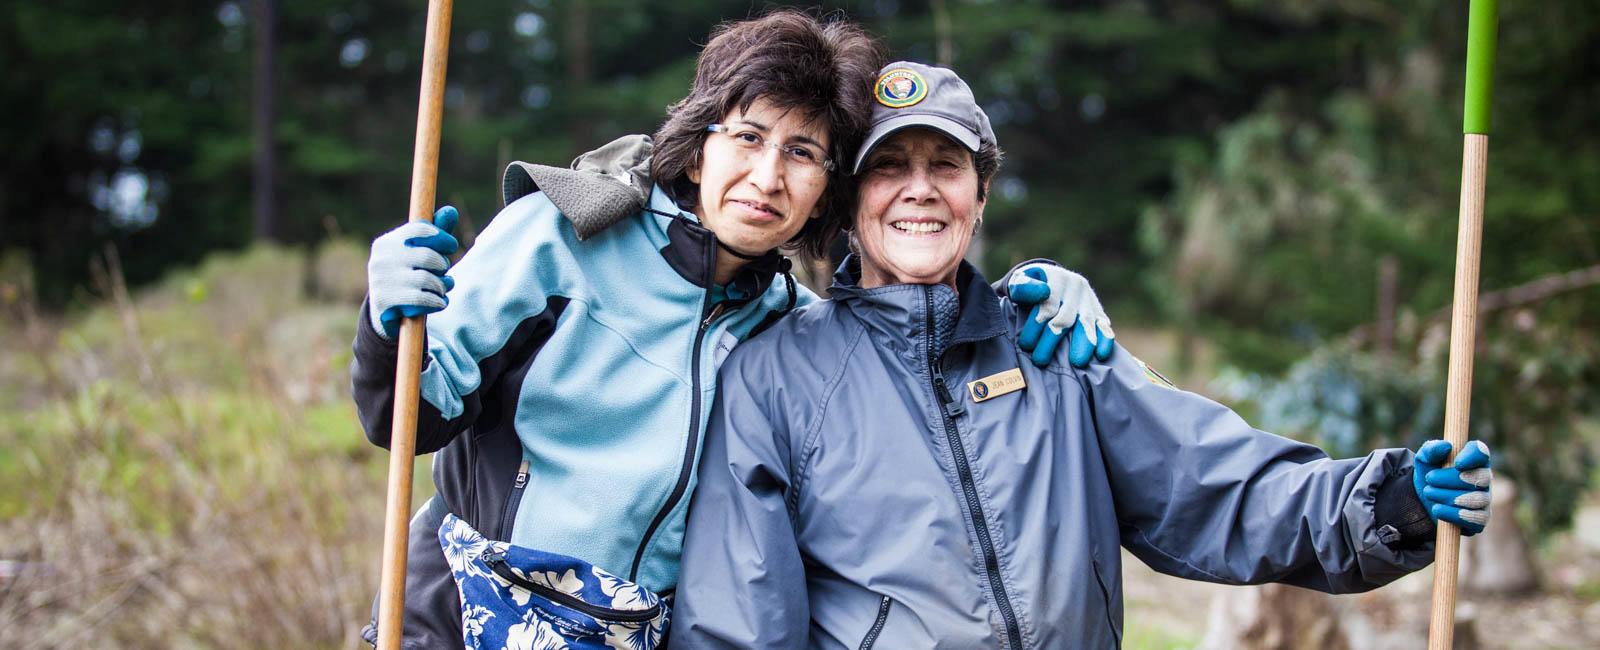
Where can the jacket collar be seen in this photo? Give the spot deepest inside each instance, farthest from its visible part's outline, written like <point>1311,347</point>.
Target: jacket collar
<point>691,251</point>
<point>601,188</point>
<point>979,316</point>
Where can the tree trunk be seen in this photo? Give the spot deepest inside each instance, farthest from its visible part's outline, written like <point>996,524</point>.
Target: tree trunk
<point>1388,278</point>
<point>944,43</point>
<point>1275,617</point>
<point>580,70</point>
<point>1497,560</point>
<point>263,118</point>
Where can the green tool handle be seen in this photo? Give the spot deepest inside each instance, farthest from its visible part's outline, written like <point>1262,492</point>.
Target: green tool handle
<point>1480,66</point>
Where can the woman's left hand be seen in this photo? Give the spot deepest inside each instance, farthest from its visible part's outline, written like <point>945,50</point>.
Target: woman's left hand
<point>1062,300</point>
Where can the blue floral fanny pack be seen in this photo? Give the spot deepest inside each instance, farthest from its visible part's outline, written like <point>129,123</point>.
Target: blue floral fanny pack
<point>523,599</point>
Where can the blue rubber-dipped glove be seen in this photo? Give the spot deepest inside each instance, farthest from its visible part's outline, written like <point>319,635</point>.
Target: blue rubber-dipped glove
<point>1062,300</point>
<point>1458,494</point>
<point>405,274</point>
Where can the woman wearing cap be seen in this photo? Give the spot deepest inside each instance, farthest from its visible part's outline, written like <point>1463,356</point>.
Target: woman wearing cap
<point>885,468</point>
<point>566,387</point>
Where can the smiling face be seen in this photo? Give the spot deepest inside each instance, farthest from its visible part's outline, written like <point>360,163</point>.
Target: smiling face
<point>750,196</point>
<point>915,212</point>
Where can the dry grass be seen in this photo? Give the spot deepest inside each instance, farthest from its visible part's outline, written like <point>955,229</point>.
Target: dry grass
<point>184,469</point>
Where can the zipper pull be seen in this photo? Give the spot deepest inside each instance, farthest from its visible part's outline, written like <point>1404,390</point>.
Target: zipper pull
<point>951,408</point>
<point>522,477</point>
<point>716,310</point>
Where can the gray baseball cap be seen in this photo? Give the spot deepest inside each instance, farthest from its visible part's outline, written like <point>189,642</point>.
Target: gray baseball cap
<point>915,95</point>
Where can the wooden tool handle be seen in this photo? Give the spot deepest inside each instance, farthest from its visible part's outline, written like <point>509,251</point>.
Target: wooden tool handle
<point>403,436</point>
<point>1458,395</point>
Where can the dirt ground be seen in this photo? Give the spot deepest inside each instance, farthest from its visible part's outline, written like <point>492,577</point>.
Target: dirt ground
<point>1169,613</point>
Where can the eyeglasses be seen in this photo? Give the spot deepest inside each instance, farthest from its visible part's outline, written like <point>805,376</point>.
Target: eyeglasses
<point>803,160</point>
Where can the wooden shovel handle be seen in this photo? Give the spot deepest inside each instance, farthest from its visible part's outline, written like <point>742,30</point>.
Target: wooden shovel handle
<point>403,437</point>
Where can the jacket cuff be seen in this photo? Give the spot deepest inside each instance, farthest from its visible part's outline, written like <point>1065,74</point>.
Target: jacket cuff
<point>1369,517</point>
<point>1403,521</point>
<point>366,335</point>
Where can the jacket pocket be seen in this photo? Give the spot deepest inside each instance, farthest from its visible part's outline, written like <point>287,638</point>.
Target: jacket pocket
<point>1105,594</point>
<point>877,624</point>
<point>518,597</point>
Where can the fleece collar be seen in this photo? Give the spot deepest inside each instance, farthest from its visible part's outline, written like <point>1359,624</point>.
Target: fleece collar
<point>601,188</point>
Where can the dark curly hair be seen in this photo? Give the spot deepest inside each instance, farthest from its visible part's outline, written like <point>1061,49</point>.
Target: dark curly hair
<point>823,68</point>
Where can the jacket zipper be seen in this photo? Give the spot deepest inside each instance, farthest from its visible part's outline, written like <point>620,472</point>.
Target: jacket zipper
<point>687,469</point>
<point>508,516</point>
<point>497,564</point>
<point>877,626</point>
<point>952,410</point>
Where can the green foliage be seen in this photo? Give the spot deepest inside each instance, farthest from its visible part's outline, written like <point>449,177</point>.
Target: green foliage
<point>1141,637</point>
<point>1279,228</point>
<point>1589,591</point>
<point>1271,242</point>
<point>1530,399</point>
<point>1265,237</point>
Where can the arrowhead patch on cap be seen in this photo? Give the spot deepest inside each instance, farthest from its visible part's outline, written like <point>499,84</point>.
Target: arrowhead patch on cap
<point>900,87</point>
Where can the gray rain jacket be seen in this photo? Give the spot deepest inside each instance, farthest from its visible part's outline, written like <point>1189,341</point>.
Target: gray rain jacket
<point>854,491</point>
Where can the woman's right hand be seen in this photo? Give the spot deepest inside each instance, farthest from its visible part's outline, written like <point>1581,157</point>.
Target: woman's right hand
<point>406,271</point>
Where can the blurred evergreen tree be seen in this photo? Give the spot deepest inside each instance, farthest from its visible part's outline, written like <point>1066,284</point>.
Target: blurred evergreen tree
<point>111,130</point>
<point>1273,236</point>
<point>130,122</point>
<point>1282,138</point>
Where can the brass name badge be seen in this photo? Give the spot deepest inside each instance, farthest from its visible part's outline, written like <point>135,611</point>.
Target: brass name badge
<point>996,385</point>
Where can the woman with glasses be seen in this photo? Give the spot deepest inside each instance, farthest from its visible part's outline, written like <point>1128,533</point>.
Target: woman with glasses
<point>567,386</point>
